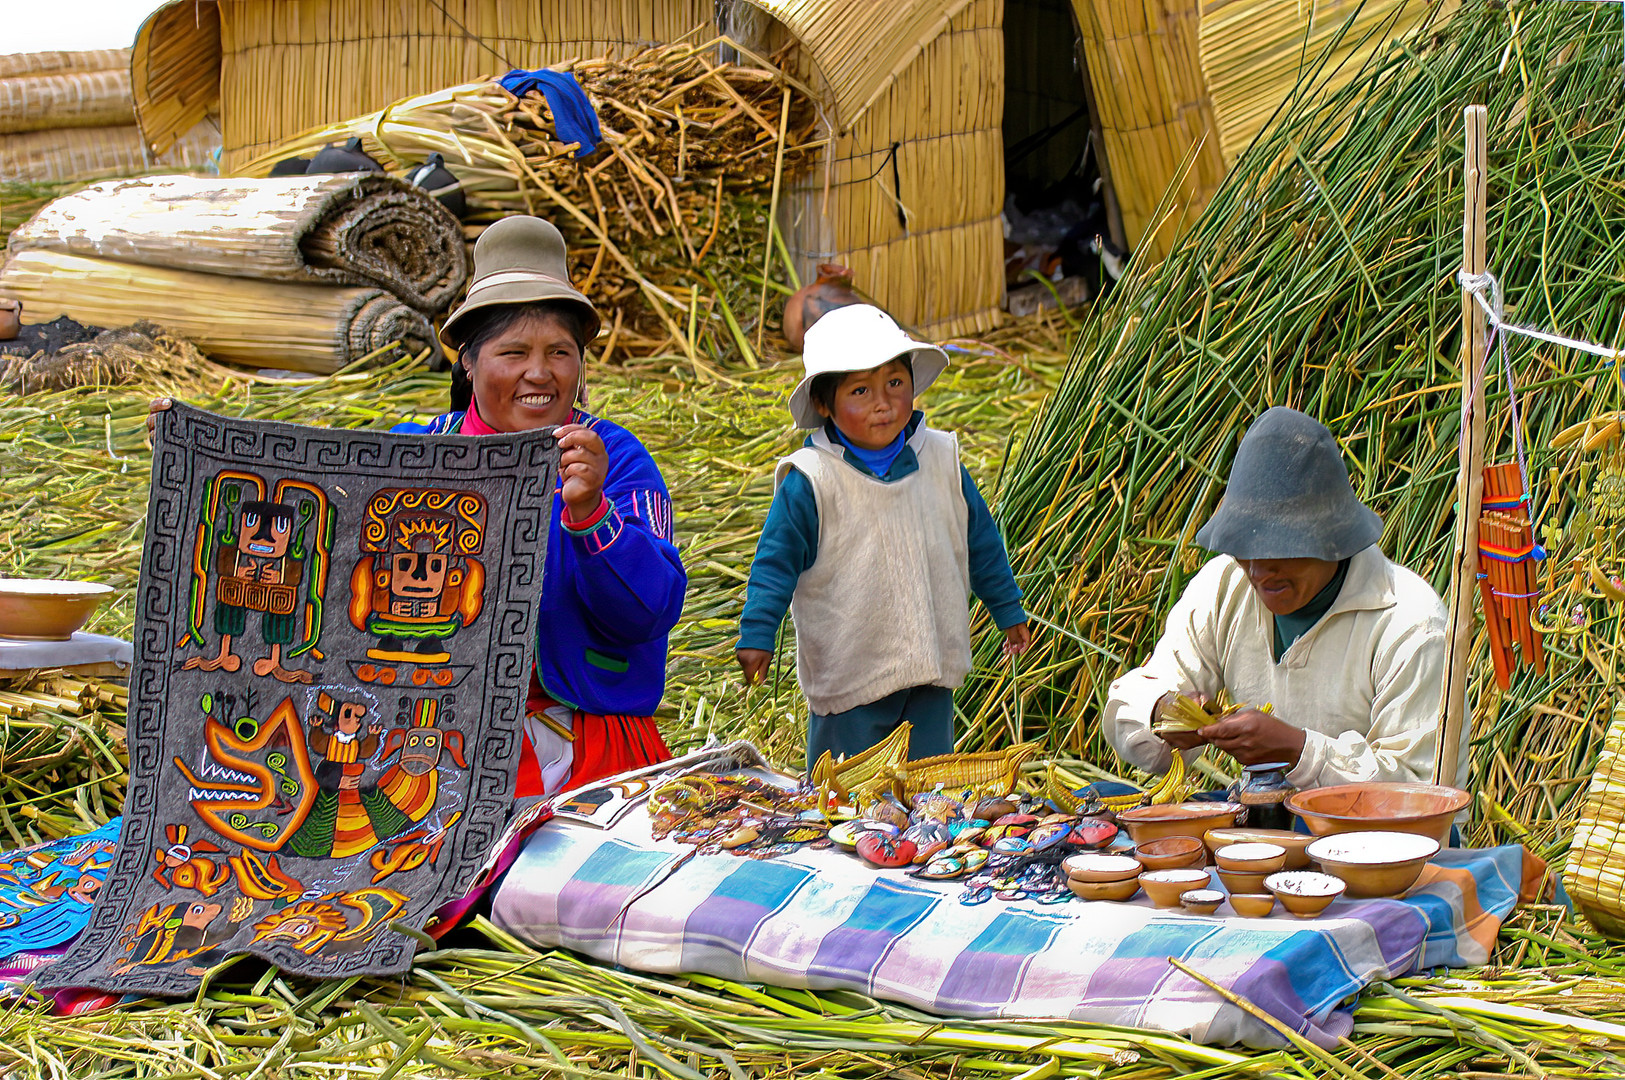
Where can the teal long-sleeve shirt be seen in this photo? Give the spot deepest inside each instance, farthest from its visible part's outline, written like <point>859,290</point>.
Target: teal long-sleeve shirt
<point>789,546</point>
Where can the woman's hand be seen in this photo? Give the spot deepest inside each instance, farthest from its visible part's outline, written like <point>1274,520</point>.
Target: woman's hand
<point>1179,740</point>
<point>1255,738</point>
<point>1017,639</point>
<point>154,407</point>
<point>753,662</point>
<point>583,464</point>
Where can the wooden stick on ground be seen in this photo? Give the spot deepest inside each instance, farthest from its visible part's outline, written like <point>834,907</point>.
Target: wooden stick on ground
<point>1469,478</point>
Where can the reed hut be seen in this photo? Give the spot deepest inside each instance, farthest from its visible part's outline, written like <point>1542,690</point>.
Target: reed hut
<point>934,108</point>
<point>69,116</point>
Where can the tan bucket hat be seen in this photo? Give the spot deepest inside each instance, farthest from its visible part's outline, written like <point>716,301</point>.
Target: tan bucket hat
<point>518,260</point>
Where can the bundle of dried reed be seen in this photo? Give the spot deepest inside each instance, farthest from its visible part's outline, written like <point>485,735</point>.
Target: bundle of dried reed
<point>77,99</point>
<point>270,324</point>
<point>354,229</point>
<point>63,154</point>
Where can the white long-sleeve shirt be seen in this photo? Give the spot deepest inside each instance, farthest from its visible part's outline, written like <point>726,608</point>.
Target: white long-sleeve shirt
<point>1363,683</point>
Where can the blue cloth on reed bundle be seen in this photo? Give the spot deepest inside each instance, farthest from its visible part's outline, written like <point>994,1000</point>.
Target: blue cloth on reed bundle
<point>46,890</point>
<point>574,119</point>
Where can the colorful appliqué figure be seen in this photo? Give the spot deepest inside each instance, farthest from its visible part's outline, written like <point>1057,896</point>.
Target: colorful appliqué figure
<point>254,783</point>
<point>418,582</point>
<point>313,926</point>
<point>172,933</point>
<point>187,866</point>
<point>267,549</point>
<point>346,749</point>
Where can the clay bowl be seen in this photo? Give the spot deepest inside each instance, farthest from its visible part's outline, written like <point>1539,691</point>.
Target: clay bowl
<point>47,609</point>
<point>1296,857</point>
<point>1097,866</point>
<point>1256,858</point>
<point>1201,901</point>
<point>1304,892</point>
<point>1375,863</point>
<point>1424,809</point>
<point>1252,905</point>
<point>1241,881</point>
<point>1177,819</point>
<point>1165,887</point>
<point>1104,890</point>
<point>1171,853</point>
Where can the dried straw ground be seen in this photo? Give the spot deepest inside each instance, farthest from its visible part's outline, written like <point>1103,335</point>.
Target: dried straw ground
<point>73,471</point>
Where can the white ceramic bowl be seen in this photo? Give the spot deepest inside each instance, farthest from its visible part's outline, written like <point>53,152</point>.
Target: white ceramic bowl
<point>1374,863</point>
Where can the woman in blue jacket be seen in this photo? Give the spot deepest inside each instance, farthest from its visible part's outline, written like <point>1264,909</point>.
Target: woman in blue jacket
<point>613,586</point>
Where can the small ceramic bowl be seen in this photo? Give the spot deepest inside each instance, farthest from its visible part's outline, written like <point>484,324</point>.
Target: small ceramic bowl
<point>1251,858</point>
<point>1171,853</point>
<point>1304,892</point>
<point>1097,866</point>
<point>1375,863</point>
<point>1164,887</point>
<point>1241,881</point>
<point>1104,890</point>
<point>1201,901</point>
<point>1252,905</point>
<point>1296,857</point>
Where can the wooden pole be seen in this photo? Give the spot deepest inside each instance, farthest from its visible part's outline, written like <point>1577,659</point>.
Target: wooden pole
<point>1470,477</point>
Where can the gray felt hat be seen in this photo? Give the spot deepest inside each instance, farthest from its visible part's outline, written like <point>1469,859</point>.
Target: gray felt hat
<point>1289,496</point>
<point>518,260</point>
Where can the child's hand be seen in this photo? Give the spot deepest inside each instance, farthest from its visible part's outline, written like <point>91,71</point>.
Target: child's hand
<point>1017,639</point>
<point>753,662</point>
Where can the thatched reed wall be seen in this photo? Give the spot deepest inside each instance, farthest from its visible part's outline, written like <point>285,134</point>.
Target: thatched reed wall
<point>70,116</point>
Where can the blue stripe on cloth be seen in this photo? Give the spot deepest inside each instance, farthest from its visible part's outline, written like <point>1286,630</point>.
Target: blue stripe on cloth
<point>989,971</point>
<point>606,881</point>
<point>721,927</point>
<point>854,949</point>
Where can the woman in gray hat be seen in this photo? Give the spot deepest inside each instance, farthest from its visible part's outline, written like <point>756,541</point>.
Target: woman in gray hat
<point>1302,613</point>
<point>613,585</point>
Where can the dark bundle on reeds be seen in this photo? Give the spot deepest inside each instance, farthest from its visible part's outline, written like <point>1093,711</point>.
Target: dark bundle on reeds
<point>1322,276</point>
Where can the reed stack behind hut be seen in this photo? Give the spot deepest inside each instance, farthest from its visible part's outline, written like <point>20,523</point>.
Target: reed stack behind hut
<point>928,125</point>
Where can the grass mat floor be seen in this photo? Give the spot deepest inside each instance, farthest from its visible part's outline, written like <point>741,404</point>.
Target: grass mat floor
<point>73,468</point>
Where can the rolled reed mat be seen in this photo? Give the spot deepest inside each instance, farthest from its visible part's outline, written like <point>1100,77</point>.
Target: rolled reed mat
<point>270,324</point>
<point>352,229</point>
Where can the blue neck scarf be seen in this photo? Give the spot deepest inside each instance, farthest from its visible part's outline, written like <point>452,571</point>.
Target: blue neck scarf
<point>878,461</point>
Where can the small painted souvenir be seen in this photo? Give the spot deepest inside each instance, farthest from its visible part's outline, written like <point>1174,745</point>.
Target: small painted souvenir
<point>976,894</point>
<point>846,834</point>
<point>1003,882</point>
<point>802,832</point>
<point>1046,836</point>
<point>1055,819</point>
<point>1008,895</point>
<point>992,809</point>
<point>929,838</point>
<point>888,811</point>
<point>935,806</point>
<point>772,851</point>
<point>885,851</point>
<point>974,860</point>
<point>738,837</point>
<point>970,825</point>
<point>999,832</point>
<point>939,869</point>
<point>1027,820</point>
<point>1092,834</point>
<point>1054,896</point>
<point>1011,845</point>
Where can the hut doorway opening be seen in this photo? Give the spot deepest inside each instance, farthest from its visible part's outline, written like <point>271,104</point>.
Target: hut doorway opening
<point>1061,221</point>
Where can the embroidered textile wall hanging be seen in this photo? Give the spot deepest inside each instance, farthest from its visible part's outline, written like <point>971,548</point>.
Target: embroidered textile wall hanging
<point>333,645</point>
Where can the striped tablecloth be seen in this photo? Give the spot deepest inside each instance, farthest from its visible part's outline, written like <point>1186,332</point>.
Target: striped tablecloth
<point>824,920</point>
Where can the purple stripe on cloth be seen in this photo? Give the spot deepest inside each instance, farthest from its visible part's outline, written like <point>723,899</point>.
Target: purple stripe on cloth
<point>596,895</point>
<point>855,948</point>
<point>720,929</point>
<point>990,969</point>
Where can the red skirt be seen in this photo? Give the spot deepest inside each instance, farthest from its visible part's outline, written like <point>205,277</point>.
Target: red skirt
<point>604,745</point>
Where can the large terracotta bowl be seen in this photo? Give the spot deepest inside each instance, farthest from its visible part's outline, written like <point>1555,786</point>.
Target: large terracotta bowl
<point>1424,809</point>
<point>1177,819</point>
<point>44,609</point>
<point>1375,863</point>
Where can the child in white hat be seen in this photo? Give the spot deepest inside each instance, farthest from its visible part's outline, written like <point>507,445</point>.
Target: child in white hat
<point>875,540</point>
